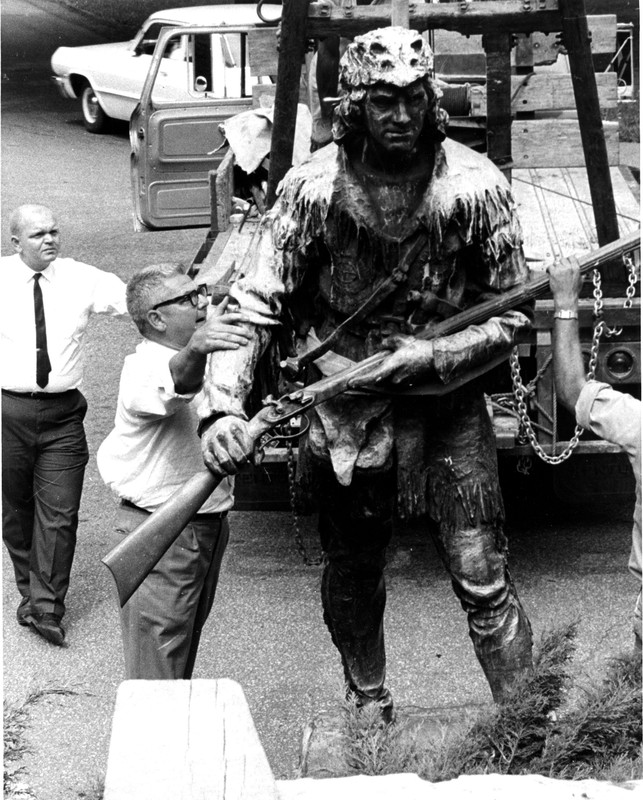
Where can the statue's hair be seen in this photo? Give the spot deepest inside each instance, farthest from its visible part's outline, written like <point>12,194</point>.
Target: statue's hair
<point>142,286</point>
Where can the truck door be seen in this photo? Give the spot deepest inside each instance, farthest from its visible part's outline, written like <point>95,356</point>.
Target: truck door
<point>175,134</point>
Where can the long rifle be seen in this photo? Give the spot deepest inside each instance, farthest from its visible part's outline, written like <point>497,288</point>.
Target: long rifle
<point>131,561</point>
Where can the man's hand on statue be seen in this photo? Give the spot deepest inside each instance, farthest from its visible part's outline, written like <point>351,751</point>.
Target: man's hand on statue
<point>412,358</point>
<point>222,330</point>
<point>565,282</point>
<point>226,445</point>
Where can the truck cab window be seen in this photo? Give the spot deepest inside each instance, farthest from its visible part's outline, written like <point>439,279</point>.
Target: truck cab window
<point>148,41</point>
<point>220,66</point>
<point>202,62</point>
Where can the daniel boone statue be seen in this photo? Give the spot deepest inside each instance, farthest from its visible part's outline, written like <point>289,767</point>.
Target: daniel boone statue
<point>391,205</point>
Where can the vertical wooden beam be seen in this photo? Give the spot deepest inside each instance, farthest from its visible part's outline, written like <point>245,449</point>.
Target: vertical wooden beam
<point>292,47</point>
<point>576,39</point>
<point>497,48</point>
<point>400,13</point>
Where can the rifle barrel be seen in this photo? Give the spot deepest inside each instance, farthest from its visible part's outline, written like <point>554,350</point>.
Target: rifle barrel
<point>528,291</point>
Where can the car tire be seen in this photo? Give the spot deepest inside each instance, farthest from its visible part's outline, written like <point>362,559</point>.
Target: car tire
<point>94,118</point>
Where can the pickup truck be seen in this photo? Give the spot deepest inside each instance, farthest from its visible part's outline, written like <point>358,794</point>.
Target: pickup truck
<point>108,78</point>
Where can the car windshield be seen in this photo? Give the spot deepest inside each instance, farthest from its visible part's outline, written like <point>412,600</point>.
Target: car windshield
<point>214,66</point>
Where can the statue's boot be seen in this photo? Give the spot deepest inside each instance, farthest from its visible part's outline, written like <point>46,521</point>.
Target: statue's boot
<point>506,654</point>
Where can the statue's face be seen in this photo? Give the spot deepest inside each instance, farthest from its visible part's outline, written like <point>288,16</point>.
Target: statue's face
<point>395,117</point>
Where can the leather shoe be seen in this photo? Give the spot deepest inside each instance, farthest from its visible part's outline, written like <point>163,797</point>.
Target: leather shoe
<point>24,612</point>
<point>49,627</point>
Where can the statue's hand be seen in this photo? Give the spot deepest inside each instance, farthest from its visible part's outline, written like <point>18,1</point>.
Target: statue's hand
<point>411,359</point>
<point>226,445</point>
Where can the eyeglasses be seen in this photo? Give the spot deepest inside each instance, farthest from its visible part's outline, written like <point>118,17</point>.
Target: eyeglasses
<point>192,296</point>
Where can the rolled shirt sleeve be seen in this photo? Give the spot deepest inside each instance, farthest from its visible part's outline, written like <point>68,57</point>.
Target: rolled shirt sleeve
<point>616,417</point>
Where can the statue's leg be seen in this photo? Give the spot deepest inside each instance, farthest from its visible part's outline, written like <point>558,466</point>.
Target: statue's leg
<point>355,528</point>
<point>466,505</point>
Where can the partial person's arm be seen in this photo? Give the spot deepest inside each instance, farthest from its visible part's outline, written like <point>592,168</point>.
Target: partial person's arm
<point>565,282</point>
<point>108,293</point>
<point>221,331</point>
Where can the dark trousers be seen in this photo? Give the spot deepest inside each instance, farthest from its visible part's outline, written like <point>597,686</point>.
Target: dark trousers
<point>161,623</point>
<point>466,521</point>
<point>44,454</point>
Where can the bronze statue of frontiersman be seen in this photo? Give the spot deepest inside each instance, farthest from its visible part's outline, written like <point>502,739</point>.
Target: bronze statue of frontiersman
<point>380,233</point>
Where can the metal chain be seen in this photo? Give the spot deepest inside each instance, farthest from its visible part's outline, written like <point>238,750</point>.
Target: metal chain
<point>598,305</point>
<point>299,539</point>
<point>522,392</point>
<point>632,278</point>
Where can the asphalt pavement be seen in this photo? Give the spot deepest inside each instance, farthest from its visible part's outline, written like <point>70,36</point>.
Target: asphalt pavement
<point>266,630</point>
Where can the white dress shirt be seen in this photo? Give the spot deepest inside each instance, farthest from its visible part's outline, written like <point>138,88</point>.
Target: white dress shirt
<point>71,292</point>
<point>154,447</point>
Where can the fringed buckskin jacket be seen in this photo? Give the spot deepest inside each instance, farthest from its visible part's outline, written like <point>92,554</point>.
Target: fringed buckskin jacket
<point>336,233</point>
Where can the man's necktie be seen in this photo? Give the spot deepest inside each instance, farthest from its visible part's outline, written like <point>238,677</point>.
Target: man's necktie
<point>43,365</point>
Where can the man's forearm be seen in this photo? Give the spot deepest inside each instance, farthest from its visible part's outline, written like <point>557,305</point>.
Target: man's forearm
<point>187,368</point>
<point>569,369</point>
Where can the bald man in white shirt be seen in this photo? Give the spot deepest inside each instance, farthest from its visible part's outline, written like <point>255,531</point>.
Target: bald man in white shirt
<point>45,305</point>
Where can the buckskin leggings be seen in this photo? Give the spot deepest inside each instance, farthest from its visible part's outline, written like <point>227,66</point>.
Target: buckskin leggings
<point>467,524</point>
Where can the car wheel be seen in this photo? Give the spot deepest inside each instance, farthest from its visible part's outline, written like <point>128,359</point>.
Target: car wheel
<point>94,117</point>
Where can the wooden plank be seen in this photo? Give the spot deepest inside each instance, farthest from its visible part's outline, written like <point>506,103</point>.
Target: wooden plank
<point>183,740</point>
<point>551,91</point>
<point>492,16</point>
<point>499,144</point>
<point>400,13</point>
<point>235,247</point>
<point>555,211</point>
<point>557,143</point>
<point>292,46</point>
<point>262,51</point>
<point>576,38</point>
<point>459,54</point>
<point>221,189</point>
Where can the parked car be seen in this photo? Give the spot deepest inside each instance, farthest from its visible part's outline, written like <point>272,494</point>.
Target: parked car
<point>108,78</point>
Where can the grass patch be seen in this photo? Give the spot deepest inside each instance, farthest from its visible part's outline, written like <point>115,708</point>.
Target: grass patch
<point>95,790</point>
<point>536,731</point>
<point>15,722</point>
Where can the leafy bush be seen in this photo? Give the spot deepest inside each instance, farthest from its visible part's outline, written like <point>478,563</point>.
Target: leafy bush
<point>599,736</point>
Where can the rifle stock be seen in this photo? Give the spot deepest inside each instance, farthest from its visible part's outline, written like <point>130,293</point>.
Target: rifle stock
<point>134,558</point>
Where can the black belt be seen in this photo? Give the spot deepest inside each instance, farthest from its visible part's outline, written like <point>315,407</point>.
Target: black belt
<point>200,517</point>
<point>38,395</point>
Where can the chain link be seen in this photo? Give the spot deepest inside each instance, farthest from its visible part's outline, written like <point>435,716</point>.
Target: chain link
<point>632,278</point>
<point>522,392</point>
<point>299,539</point>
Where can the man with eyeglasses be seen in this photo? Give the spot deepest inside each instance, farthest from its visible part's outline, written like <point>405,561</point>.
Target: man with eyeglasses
<point>153,449</point>
<point>45,305</point>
